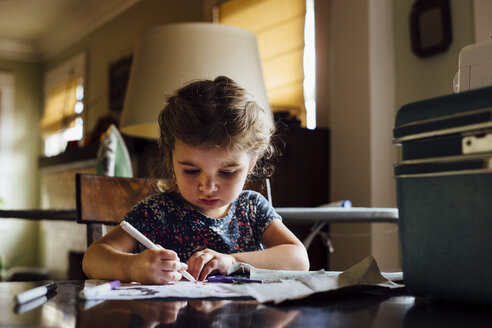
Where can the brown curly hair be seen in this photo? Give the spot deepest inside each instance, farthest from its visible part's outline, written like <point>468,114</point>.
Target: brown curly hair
<point>215,113</point>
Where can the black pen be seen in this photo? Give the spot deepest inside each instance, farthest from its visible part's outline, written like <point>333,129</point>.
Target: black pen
<point>34,293</point>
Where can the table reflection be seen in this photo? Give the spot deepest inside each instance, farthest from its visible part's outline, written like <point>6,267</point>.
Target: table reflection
<point>194,313</point>
<point>425,313</point>
<point>354,309</point>
<point>57,309</point>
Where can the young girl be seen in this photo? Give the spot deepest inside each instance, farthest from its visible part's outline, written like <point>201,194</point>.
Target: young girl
<point>213,137</point>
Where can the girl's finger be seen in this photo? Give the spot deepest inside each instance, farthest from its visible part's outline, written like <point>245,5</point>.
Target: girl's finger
<point>168,276</point>
<point>211,266</point>
<point>167,254</point>
<point>166,265</point>
<point>199,262</point>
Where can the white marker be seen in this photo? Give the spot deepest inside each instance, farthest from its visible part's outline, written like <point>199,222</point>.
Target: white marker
<point>34,293</point>
<point>28,306</point>
<point>149,244</point>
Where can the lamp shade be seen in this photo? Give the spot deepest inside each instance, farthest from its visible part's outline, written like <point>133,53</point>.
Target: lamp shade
<point>170,56</point>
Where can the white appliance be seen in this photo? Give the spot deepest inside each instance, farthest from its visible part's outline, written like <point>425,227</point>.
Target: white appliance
<point>474,68</point>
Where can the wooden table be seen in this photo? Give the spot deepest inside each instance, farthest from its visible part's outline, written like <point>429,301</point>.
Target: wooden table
<point>63,309</point>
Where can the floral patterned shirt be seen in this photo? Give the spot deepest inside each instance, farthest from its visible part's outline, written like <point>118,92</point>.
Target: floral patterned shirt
<point>170,221</point>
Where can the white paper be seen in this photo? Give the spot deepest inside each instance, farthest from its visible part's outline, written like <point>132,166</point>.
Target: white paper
<point>182,288</point>
<point>278,286</point>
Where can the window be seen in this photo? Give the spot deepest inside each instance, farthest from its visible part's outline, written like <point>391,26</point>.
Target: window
<point>62,120</point>
<point>285,34</point>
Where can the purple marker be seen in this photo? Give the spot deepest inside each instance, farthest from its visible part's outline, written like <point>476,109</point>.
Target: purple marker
<point>232,279</point>
<point>88,293</point>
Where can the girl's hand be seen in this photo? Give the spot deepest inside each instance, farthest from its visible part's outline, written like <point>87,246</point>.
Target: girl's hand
<point>154,267</point>
<point>207,261</point>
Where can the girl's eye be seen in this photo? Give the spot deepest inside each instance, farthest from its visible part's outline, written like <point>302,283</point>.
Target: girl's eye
<point>227,173</point>
<point>191,172</point>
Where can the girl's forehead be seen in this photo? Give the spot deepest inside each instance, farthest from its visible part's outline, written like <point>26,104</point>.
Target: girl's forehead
<point>184,150</point>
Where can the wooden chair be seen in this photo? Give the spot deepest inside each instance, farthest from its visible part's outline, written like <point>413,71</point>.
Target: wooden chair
<point>106,200</point>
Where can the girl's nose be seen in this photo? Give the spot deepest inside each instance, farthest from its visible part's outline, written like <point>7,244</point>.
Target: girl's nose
<point>208,184</point>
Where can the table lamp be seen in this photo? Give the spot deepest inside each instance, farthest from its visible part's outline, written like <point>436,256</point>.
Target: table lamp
<point>170,56</point>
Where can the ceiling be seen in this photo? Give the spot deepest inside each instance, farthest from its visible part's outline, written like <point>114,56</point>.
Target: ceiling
<point>36,29</point>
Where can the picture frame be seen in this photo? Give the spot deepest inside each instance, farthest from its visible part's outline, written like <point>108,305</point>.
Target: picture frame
<point>119,75</point>
<point>430,27</point>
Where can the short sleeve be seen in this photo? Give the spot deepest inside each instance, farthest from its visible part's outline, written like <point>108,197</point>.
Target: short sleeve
<point>263,213</point>
<point>143,218</point>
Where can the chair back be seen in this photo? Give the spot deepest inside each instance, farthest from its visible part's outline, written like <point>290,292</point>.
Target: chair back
<point>106,200</point>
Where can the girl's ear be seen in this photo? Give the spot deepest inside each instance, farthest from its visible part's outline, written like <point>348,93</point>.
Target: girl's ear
<point>252,162</point>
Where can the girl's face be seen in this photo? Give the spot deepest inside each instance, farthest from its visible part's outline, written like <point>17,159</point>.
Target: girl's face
<point>210,178</point>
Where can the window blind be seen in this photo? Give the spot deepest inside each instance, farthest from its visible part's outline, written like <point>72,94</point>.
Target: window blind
<point>59,112</point>
<point>279,28</point>
<point>61,96</point>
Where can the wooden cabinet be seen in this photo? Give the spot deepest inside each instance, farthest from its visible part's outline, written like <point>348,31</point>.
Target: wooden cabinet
<point>301,177</point>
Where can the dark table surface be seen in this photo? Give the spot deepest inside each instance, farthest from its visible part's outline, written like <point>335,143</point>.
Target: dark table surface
<point>397,309</point>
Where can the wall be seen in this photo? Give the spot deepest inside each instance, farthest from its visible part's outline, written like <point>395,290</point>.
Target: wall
<point>58,239</point>
<point>384,236</point>
<point>322,35</point>
<point>349,117</point>
<point>372,73</point>
<point>19,238</point>
<point>482,10</point>
<point>418,78</point>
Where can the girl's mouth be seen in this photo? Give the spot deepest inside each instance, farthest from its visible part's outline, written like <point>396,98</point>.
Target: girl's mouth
<point>209,202</point>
